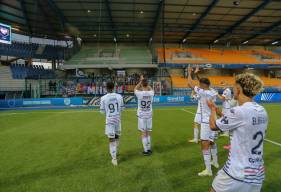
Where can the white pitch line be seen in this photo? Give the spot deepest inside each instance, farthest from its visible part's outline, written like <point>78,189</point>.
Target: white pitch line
<point>273,142</point>
<point>188,111</point>
<point>268,140</point>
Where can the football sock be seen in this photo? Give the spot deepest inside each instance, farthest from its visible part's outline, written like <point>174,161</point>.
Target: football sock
<point>207,159</point>
<point>196,133</point>
<point>113,149</point>
<point>148,142</point>
<point>214,152</point>
<point>144,143</point>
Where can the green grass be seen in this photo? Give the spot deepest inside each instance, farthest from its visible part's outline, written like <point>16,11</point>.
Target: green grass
<point>54,151</point>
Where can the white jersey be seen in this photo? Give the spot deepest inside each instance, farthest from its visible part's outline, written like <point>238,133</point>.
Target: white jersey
<point>205,95</point>
<point>197,98</point>
<point>228,96</point>
<point>247,124</point>
<point>145,99</point>
<point>112,105</point>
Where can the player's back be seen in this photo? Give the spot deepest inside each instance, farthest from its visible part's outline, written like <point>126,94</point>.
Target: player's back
<point>246,155</point>
<point>204,95</point>
<point>228,96</point>
<point>145,99</point>
<point>112,105</point>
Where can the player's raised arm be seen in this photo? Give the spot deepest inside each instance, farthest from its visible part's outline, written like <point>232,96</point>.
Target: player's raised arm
<point>138,86</point>
<point>189,79</point>
<point>196,72</point>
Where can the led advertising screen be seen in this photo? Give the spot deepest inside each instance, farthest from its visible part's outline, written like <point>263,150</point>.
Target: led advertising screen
<point>5,33</point>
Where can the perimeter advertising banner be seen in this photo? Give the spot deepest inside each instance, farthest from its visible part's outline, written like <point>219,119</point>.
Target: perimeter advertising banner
<point>5,34</point>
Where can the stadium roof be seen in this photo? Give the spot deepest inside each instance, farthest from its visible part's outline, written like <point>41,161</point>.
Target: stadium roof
<point>253,22</point>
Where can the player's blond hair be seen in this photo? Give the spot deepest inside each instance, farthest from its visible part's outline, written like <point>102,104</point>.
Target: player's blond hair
<point>250,83</point>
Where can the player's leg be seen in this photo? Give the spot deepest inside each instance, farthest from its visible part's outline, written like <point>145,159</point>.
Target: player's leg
<point>142,128</point>
<point>148,133</point>
<point>205,147</point>
<point>214,149</point>
<point>110,132</point>
<point>196,125</point>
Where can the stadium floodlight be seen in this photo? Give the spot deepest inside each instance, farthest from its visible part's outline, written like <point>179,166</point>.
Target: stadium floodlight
<point>275,42</point>
<point>114,39</point>
<point>150,39</point>
<point>184,40</point>
<point>245,42</point>
<point>89,11</point>
<point>216,41</point>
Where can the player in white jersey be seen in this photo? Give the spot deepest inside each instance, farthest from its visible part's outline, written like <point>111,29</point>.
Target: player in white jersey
<point>207,136</point>
<point>197,118</point>
<point>112,105</point>
<point>244,169</point>
<point>226,97</point>
<point>144,94</point>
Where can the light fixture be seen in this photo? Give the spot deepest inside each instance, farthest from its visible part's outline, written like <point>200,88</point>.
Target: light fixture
<point>245,42</point>
<point>216,41</point>
<point>150,39</point>
<point>184,40</point>
<point>127,35</point>
<point>141,12</point>
<point>275,42</point>
<point>95,35</point>
<point>89,11</point>
<point>194,14</point>
<point>16,29</point>
<point>114,39</point>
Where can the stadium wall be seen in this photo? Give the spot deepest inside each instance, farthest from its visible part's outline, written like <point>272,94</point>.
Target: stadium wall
<point>129,101</point>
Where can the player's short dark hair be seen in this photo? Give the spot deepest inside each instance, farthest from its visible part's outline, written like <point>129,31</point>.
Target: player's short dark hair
<point>109,86</point>
<point>144,82</point>
<point>205,81</point>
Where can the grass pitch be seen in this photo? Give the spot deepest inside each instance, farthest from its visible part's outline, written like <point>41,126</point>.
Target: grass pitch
<point>67,151</point>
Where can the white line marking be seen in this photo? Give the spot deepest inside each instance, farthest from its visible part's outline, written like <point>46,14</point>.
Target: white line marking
<point>188,111</point>
<point>273,142</point>
<point>268,140</point>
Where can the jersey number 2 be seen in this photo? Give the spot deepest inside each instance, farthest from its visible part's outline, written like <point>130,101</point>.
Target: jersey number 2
<point>255,137</point>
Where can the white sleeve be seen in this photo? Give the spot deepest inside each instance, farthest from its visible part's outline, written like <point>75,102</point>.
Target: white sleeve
<point>102,106</point>
<point>122,103</point>
<point>138,93</point>
<point>198,91</point>
<point>231,120</point>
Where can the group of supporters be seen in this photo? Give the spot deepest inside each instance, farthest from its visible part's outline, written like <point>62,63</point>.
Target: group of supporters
<point>245,122</point>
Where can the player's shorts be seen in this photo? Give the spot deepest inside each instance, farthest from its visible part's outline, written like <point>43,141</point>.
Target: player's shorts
<point>197,118</point>
<point>224,183</point>
<point>145,124</point>
<point>111,130</point>
<point>207,134</point>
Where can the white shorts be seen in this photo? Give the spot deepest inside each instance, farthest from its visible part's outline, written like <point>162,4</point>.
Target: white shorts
<point>197,118</point>
<point>145,124</point>
<point>224,183</point>
<point>111,130</point>
<point>207,134</point>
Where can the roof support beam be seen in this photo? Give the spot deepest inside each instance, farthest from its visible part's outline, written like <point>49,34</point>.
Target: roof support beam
<point>46,16</point>
<point>59,13</point>
<point>200,19</point>
<point>156,18</point>
<point>243,19</point>
<point>24,12</point>
<point>264,31</point>
<point>107,5</point>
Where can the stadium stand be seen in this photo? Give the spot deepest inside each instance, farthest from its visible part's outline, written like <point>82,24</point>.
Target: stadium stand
<point>7,82</point>
<point>123,55</point>
<point>215,56</point>
<point>32,72</point>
